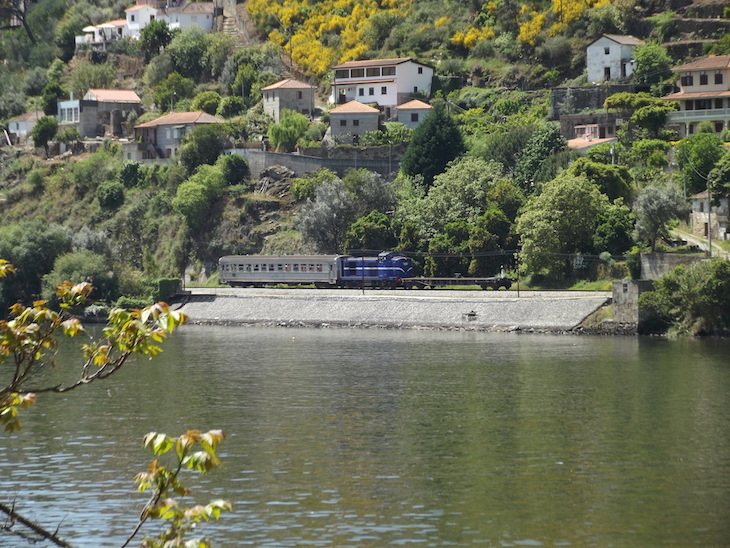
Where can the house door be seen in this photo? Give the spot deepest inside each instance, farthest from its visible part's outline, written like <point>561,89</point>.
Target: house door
<point>606,73</point>
<point>601,132</point>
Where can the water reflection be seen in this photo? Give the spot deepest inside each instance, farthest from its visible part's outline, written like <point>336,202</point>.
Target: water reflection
<point>379,438</point>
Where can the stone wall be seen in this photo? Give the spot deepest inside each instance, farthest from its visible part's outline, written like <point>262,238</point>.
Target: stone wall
<point>383,160</point>
<point>656,265</point>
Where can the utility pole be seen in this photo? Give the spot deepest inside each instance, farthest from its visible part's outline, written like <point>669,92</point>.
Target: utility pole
<point>709,216</point>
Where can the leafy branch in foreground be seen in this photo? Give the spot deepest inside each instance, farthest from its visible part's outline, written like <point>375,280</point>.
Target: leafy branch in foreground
<point>193,450</point>
<point>28,338</point>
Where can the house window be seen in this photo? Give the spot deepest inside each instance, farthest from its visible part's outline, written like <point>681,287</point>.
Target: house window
<point>414,117</point>
<point>132,18</point>
<point>703,79</point>
<point>703,104</point>
<point>168,133</point>
<point>718,127</point>
<point>373,71</point>
<point>383,90</point>
<point>718,78</point>
<point>718,103</point>
<point>420,70</point>
<point>371,91</point>
<point>356,123</point>
<point>361,92</point>
<point>415,89</point>
<point>76,114</point>
<point>689,105</point>
<point>342,73</point>
<point>299,94</point>
<point>388,71</point>
<point>343,123</point>
<point>606,51</point>
<point>687,80</point>
<point>357,73</point>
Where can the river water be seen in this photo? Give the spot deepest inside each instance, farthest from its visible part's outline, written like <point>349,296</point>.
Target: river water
<point>373,438</point>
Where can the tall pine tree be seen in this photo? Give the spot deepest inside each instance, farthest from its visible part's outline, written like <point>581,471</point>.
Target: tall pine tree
<point>435,143</point>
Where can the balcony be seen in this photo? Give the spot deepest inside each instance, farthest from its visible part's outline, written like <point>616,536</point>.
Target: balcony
<point>699,115</point>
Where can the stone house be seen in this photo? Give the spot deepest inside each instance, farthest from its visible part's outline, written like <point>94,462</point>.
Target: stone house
<point>288,94</point>
<point>101,111</point>
<point>21,126</point>
<point>351,120</point>
<point>161,138</point>
<point>611,58</point>
<point>702,216</point>
<point>385,82</point>
<point>704,95</point>
<point>413,113</point>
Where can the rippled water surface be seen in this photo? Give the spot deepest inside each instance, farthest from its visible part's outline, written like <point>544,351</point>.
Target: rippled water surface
<point>344,438</point>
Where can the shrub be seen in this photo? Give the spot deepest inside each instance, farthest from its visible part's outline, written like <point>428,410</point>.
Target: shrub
<point>110,194</point>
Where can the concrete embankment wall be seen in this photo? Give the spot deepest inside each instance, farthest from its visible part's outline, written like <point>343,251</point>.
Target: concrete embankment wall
<point>496,313</point>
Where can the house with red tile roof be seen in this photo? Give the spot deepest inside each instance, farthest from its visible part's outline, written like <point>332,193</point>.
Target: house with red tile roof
<point>413,113</point>
<point>703,96</point>
<point>162,137</point>
<point>385,82</point>
<point>351,120</point>
<point>288,94</point>
<point>100,112</point>
<point>138,17</point>
<point>188,14</point>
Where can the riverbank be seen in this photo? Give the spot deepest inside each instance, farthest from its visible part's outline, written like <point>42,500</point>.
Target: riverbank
<point>480,310</point>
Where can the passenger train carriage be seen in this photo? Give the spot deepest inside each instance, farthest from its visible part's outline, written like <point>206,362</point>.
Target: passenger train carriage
<point>385,270</point>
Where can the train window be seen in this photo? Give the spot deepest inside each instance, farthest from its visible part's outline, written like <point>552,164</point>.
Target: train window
<point>319,268</point>
<point>296,268</point>
<point>311,268</point>
<point>255,268</point>
<point>233,267</point>
<point>280,267</point>
<point>248,268</point>
<point>287,267</point>
<point>271,268</point>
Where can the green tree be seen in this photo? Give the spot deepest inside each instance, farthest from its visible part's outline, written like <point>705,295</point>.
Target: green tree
<point>92,76</point>
<point>657,204</point>
<point>305,187</point>
<point>154,38</point>
<point>188,49</point>
<point>196,196</point>
<point>234,169</point>
<point>229,107</point>
<point>448,252</point>
<point>44,131</point>
<point>435,142</point>
<point>720,174</point>
<point>653,64</point>
<point>207,101</point>
<point>82,266</point>
<point>613,180</point>
<point>691,299</point>
<point>203,145</point>
<point>559,223</point>
<point>544,142</point>
<point>173,88</point>
<point>614,229</point>
<point>52,92</point>
<point>290,128</point>
<point>373,232</point>
<point>32,246</point>
<point>696,157</point>
<point>489,236</point>
<point>110,194</point>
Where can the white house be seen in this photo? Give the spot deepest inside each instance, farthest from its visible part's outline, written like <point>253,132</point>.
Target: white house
<point>413,113</point>
<point>288,94</point>
<point>189,14</point>
<point>611,58</point>
<point>387,82</point>
<point>349,121</point>
<point>21,126</point>
<point>704,95</point>
<point>138,17</point>
<point>701,220</point>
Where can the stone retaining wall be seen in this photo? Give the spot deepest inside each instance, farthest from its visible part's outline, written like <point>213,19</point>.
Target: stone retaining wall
<point>494,313</point>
